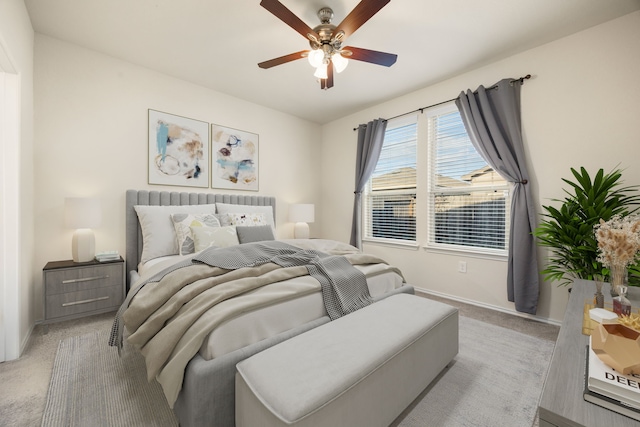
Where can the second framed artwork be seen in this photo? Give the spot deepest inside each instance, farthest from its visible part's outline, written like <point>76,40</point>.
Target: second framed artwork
<point>234,158</point>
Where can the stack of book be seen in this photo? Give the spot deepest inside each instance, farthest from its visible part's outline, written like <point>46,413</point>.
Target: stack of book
<point>610,389</point>
<point>107,256</point>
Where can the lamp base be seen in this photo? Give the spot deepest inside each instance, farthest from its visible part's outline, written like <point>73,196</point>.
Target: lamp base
<point>301,230</point>
<point>83,245</point>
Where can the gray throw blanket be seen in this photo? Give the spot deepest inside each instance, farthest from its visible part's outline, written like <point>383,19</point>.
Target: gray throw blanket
<point>344,288</point>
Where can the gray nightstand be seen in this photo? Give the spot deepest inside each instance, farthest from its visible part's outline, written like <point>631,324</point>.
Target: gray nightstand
<point>78,289</point>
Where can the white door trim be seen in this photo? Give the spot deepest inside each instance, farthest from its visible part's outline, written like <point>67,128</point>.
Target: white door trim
<point>9,208</point>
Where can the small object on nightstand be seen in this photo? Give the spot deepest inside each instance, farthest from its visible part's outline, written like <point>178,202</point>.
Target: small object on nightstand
<point>107,256</point>
<point>78,289</point>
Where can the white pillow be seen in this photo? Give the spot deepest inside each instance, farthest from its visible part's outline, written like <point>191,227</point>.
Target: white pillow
<point>221,237</point>
<point>225,208</point>
<point>245,219</point>
<point>158,234</point>
<point>183,222</point>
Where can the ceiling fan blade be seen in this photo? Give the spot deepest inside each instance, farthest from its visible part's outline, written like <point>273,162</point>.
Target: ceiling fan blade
<point>283,59</point>
<point>359,15</point>
<point>372,56</point>
<point>328,82</point>
<point>286,16</point>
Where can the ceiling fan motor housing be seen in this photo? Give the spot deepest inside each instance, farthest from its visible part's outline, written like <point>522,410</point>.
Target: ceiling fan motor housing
<point>328,41</point>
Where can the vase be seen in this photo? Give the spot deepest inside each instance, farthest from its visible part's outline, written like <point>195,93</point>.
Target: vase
<point>618,277</point>
<point>598,297</point>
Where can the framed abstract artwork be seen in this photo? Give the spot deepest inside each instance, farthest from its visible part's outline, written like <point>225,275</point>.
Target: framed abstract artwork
<point>178,150</point>
<point>234,159</point>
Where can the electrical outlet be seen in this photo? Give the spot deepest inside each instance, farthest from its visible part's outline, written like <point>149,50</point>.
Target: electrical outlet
<point>462,266</point>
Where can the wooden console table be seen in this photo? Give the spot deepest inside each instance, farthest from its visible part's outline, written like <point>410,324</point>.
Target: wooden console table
<point>561,403</point>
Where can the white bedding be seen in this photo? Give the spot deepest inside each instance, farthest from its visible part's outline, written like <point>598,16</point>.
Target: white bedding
<point>265,322</point>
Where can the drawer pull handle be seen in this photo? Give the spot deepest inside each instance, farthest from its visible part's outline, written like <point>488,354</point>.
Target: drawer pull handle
<point>86,301</point>
<point>85,279</point>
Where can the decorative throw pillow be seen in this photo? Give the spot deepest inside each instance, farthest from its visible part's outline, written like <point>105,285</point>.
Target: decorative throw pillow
<point>183,223</point>
<point>247,219</point>
<point>267,211</point>
<point>158,233</point>
<point>248,234</point>
<point>206,237</point>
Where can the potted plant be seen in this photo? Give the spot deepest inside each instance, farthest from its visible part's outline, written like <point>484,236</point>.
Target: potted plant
<point>568,229</point>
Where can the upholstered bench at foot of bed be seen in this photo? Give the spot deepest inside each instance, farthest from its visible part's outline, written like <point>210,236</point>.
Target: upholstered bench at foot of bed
<point>208,391</point>
<point>363,369</point>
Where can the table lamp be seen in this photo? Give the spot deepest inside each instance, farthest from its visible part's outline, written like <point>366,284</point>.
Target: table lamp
<point>301,214</point>
<point>83,214</point>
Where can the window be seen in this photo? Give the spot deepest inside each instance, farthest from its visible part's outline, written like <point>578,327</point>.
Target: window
<point>390,196</point>
<point>468,201</point>
<point>464,204</point>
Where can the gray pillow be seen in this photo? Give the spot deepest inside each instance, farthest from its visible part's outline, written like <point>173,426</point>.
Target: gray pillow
<point>258,233</point>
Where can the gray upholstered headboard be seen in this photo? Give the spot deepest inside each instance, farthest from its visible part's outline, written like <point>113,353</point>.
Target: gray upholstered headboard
<point>166,198</point>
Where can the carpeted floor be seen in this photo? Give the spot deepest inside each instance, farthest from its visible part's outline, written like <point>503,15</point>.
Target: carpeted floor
<point>26,381</point>
<point>495,380</point>
<point>92,386</point>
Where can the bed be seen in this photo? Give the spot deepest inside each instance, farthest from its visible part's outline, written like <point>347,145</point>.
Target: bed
<point>205,395</point>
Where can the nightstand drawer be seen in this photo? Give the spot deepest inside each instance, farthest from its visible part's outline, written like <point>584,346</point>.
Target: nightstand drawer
<point>66,304</point>
<point>83,278</point>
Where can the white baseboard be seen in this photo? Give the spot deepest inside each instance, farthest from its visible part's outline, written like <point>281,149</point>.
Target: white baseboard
<point>489,306</point>
<point>25,343</point>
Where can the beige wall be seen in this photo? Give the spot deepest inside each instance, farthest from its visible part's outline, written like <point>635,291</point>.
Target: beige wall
<point>16,37</point>
<point>91,140</point>
<point>581,108</point>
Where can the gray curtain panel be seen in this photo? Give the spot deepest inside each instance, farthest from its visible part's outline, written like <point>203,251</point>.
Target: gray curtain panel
<point>370,139</point>
<point>492,119</point>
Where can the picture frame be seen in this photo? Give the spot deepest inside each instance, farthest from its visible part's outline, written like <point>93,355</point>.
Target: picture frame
<point>234,159</point>
<point>178,150</point>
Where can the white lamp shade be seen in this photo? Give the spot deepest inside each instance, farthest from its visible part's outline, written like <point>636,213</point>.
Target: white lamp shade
<point>82,214</point>
<point>321,71</point>
<point>340,62</point>
<point>315,57</point>
<point>301,213</point>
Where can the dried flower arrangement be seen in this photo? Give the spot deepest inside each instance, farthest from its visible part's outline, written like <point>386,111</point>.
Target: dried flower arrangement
<point>618,240</point>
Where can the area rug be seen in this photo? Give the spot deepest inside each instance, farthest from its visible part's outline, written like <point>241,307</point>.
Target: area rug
<point>495,380</point>
<point>92,386</point>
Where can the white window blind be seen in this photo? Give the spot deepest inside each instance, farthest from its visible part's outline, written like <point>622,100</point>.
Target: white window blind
<point>469,202</point>
<point>390,196</point>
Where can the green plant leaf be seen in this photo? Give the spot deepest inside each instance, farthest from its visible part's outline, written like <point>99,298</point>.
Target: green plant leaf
<point>568,232</point>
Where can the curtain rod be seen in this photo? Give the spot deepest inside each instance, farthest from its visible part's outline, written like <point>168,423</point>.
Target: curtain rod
<point>521,80</point>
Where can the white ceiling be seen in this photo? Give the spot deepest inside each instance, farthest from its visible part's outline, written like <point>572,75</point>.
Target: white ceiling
<point>218,43</point>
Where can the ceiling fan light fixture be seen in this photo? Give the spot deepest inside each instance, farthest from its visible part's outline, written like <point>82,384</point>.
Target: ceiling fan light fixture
<point>321,71</point>
<point>326,40</point>
<point>316,58</point>
<point>339,61</point>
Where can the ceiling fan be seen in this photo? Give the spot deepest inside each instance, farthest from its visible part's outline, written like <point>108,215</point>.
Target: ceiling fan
<point>326,39</point>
